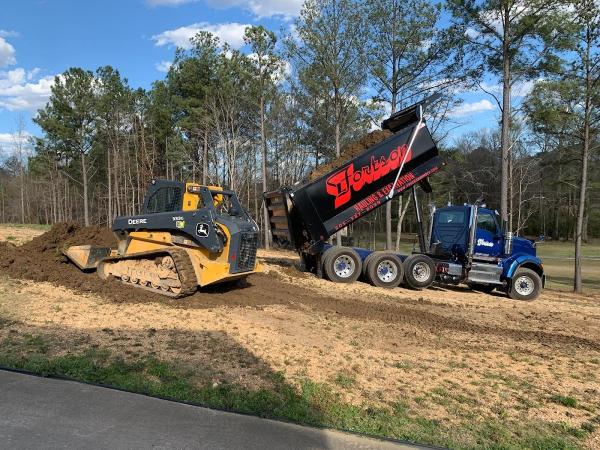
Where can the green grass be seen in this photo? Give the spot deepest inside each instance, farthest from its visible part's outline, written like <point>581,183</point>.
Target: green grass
<point>553,249</point>
<point>344,380</point>
<point>35,226</point>
<point>313,403</point>
<point>559,264</point>
<point>570,402</point>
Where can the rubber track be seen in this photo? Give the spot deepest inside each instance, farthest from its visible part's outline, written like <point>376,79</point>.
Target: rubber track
<point>185,269</point>
<point>183,265</point>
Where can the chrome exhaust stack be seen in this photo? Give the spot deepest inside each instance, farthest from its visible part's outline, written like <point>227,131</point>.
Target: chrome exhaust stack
<point>508,241</point>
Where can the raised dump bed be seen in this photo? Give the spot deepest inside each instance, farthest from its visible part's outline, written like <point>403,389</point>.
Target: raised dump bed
<point>305,216</point>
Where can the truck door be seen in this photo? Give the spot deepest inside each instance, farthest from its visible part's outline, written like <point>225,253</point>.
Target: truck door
<point>488,239</point>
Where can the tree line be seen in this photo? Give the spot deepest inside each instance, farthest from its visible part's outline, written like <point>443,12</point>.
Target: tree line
<point>256,119</point>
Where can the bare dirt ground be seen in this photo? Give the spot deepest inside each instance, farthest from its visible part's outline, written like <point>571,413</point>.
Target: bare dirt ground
<point>452,354</point>
<point>18,234</point>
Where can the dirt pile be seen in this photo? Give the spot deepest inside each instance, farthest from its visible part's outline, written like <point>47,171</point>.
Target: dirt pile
<point>350,151</point>
<point>41,259</point>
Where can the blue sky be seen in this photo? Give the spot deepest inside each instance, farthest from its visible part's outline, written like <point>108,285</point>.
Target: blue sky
<point>42,38</point>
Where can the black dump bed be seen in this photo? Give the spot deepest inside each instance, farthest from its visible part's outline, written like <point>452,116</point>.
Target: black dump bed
<point>304,216</point>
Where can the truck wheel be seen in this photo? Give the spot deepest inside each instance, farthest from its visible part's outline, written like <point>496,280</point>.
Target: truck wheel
<point>419,271</point>
<point>482,287</point>
<point>525,285</point>
<point>342,265</point>
<point>384,269</point>
<point>324,257</point>
<point>365,265</point>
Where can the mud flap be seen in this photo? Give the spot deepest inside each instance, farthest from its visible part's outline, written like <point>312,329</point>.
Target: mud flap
<point>86,257</point>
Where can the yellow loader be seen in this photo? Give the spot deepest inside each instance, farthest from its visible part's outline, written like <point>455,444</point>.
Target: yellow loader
<point>188,236</point>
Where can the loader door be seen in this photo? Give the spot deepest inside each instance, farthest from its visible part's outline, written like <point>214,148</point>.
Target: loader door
<point>164,196</point>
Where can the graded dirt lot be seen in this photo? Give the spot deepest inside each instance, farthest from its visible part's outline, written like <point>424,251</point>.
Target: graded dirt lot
<point>482,368</point>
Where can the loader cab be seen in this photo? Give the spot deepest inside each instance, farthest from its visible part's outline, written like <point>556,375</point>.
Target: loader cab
<point>171,196</point>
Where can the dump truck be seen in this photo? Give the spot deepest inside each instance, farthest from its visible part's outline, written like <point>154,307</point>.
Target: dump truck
<point>187,236</point>
<point>464,244</point>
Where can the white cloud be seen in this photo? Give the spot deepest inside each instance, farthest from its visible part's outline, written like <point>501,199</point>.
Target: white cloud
<point>518,90</point>
<point>468,109</point>
<point>9,142</point>
<point>168,2</point>
<point>232,33</point>
<point>522,89</point>
<point>22,90</point>
<point>8,33</point>
<point>163,66</point>
<point>263,8</point>
<point>7,53</point>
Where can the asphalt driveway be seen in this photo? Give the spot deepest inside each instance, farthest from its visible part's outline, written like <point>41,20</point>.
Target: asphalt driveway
<point>38,412</point>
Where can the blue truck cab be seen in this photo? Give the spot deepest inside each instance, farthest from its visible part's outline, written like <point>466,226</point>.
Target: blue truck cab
<point>468,244</point>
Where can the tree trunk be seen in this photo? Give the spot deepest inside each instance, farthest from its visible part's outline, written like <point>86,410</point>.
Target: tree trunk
<point>205,160</point>
<point>401,213</point>
<point>86,214</point>
<point>388,205</point>
<point>22,176</point>
<point>263,139</point>
<point>505,135</point>
<point>585,151</point>
<point>338,235</point>
<point>556,235</point>
<point>109,177</point>
<point>577,284</point>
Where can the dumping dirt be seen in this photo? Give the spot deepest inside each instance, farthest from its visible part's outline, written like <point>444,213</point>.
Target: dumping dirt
<point>350,151</point>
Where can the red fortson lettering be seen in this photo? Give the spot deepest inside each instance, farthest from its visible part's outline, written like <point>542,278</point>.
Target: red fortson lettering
<point>347,180</point>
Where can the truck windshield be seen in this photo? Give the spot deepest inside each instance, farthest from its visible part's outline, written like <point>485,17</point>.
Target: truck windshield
<point>455,217</point>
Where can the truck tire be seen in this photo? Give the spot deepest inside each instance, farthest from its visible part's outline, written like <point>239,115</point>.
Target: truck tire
<point>384,269</point>
<point>525,285</point>
<point>324,257</point>
<point>342,265</point>
<point>482,287</point>
<point>419,271</point>
<point>365,265</point>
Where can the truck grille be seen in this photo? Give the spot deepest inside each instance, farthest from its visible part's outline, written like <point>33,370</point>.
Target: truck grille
<point>247,256</point>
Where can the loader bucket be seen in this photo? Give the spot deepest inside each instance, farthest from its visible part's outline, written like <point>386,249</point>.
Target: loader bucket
<point>86,256</point>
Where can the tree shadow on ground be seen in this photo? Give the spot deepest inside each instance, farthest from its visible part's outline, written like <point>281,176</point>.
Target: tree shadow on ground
<point>206,368</point>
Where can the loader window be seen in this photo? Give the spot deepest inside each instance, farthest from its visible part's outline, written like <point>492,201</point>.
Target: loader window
<point>165,199</point>
<point>226,204</point>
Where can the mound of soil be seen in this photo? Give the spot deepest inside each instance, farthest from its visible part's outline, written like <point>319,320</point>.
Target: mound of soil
<point>41,259</point>
<point>350,151</point>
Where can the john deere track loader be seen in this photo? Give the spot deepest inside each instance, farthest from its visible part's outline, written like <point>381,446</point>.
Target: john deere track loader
<point>187,236</point>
